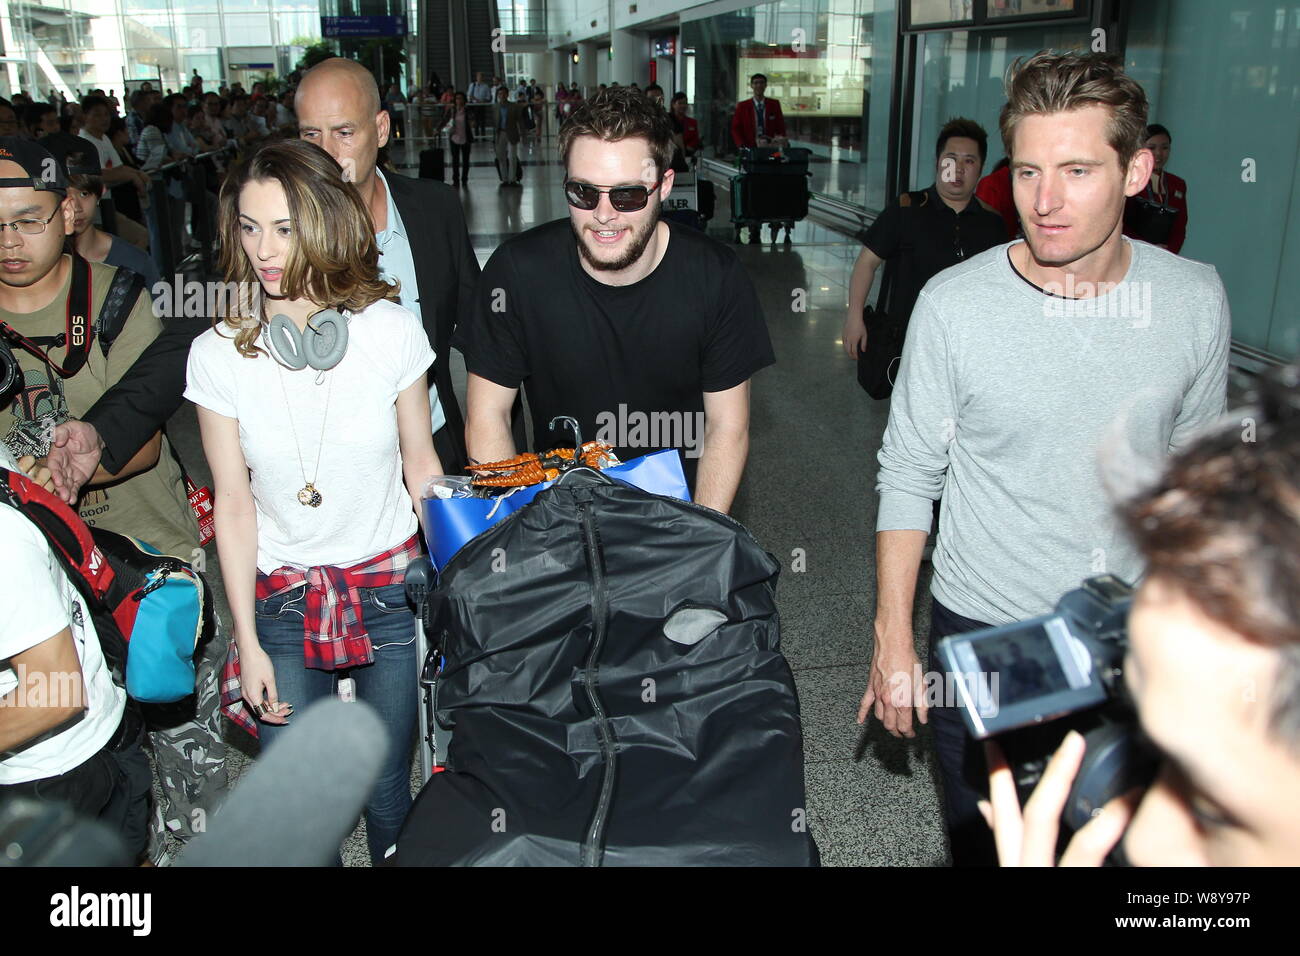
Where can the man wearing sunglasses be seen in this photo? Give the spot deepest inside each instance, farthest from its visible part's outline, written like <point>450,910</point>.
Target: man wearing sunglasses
<point>645,332</point>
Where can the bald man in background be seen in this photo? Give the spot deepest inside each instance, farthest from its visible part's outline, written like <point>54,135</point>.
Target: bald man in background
<point>419,225</point>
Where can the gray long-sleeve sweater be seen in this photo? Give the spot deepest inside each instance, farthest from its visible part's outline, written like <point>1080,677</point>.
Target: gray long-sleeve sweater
<point>1004,397</point>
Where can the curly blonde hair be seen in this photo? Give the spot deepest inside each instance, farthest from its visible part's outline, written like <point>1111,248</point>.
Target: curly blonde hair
<point>333,258</point>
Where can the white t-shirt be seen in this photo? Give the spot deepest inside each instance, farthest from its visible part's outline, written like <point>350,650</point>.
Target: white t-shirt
<point>365,509</point>
<point>108,158</point>
<point>38,602</point>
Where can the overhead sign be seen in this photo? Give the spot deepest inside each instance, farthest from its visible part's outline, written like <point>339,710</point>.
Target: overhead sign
<point>665,46</point>
<point>333,28</point>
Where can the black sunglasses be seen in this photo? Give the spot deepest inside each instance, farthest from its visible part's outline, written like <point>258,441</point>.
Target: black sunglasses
<point>622,198</point>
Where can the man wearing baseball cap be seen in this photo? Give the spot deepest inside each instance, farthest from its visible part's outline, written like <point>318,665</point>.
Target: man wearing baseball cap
<point>58,312</point>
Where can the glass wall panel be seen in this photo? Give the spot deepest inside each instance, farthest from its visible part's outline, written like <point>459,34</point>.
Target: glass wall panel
<point>961,74</point>
<point>825,61</point>
<point>158,6</point>
<point>75,45</point>
<point>249,29</point>
<point>1026,8</point>
<point>939,11</point>
<point>1225,80</point>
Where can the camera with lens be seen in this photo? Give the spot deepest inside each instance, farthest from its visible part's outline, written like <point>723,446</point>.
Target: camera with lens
<point>1030,683</point>
<point>11,373</point>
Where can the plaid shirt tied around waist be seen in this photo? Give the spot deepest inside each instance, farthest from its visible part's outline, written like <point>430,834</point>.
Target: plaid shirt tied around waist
<point>334,631</point>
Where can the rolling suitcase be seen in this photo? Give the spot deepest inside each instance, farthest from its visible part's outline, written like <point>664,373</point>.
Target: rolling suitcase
<point>433,163</point>
<point>771,188</point>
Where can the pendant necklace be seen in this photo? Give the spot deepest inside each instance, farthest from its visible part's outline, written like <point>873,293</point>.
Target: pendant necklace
<point>308,497</point>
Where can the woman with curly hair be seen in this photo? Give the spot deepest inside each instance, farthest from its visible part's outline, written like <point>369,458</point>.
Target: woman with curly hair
<point>315,419</point>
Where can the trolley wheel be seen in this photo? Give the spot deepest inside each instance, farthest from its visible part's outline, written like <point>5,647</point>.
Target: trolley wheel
<point>736,237</point>
<point>788,230</point>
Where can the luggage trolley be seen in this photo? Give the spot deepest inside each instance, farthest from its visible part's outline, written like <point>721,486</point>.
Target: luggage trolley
<point>420,581</point>
<point>771,188</point>
<point>691,201</point>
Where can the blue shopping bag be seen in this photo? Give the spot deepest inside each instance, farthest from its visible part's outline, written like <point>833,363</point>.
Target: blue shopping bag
<point>451,522</point>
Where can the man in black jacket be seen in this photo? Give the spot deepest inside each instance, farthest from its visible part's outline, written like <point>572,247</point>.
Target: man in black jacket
<point>419,224</point>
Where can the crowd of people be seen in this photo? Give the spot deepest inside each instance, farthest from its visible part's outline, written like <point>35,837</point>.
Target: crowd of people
<point>155,132</point>
<point>511,119</point>
<point>1016,367</point>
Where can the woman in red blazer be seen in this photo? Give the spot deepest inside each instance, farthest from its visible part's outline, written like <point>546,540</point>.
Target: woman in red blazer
<point>1147,215</point>
<point>685,132</point>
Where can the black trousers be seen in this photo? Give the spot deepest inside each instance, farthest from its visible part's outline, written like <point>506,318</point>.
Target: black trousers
<point>460,162</point>
<point>959,756</point>
<point>112,787</point>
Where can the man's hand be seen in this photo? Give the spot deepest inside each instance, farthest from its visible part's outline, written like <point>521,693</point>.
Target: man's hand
<point>74,457</point>
<point>895,687</point>
<point>1030,840</point>
<point>854,335</point>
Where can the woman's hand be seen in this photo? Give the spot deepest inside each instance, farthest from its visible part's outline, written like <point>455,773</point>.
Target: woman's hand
<point>257,681</point>
<point>1029,839</point>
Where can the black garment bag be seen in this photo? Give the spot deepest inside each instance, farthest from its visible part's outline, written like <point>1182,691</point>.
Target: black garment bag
<point>615,692</point>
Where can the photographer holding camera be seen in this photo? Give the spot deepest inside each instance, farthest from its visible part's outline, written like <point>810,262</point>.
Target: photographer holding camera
<point>1213,664</point>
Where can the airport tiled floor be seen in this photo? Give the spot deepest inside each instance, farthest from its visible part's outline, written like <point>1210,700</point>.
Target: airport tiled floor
<point>808,498</point>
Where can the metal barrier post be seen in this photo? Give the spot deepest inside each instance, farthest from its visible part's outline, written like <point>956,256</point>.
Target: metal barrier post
<point>202,228</point>
<point>158,216</point>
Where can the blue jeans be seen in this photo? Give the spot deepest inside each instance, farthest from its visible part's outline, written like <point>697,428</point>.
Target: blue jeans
<point>389,685</point>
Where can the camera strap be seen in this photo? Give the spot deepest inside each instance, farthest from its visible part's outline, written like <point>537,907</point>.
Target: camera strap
<point>77,333</point>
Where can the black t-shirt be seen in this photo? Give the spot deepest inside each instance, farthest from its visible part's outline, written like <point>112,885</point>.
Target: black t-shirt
<point>921,240</point>
<point>630,363</point>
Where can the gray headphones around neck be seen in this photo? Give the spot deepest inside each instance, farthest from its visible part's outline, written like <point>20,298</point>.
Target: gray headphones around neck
<point>322,345</point>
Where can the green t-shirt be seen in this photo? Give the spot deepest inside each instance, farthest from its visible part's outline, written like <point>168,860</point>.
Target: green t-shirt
<point>151,505</point>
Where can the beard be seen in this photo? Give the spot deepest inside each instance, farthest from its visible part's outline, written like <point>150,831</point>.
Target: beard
<point>639,239</point>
